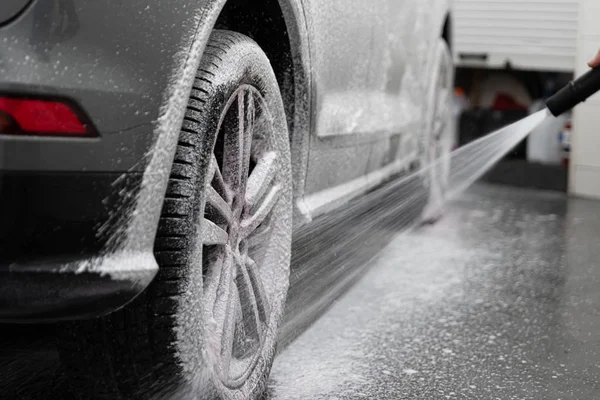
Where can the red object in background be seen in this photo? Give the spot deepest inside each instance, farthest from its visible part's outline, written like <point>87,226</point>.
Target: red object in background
<point>505,102</point>
<point>39,117</point>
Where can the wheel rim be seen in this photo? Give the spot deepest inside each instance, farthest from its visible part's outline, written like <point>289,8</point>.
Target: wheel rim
<point>242,197</point>
<point>440,136</point>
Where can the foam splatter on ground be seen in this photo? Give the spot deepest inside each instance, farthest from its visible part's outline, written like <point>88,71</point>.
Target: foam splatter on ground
<point>496,301</point>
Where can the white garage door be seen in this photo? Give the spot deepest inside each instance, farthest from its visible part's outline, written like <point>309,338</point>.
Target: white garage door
<point>528,34</point>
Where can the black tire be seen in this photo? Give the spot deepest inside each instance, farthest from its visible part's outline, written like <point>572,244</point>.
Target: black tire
<point>160,345</point>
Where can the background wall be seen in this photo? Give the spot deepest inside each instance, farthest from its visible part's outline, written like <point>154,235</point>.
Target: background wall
<point>585,153</point>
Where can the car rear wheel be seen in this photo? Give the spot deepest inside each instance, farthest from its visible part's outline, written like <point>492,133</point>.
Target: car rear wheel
<point>206,327</point>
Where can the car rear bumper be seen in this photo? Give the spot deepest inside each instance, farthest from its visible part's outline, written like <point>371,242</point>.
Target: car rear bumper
<point>60,245</point>
<point>40,296</point>
<point>105,59</point>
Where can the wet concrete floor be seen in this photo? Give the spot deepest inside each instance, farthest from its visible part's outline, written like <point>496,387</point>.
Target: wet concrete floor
<point>497,300</point>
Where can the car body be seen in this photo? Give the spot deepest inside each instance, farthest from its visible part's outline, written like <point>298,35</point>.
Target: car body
<point>79,214</point>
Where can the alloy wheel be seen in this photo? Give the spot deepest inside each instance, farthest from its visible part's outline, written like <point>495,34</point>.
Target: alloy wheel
<point>241,208</point>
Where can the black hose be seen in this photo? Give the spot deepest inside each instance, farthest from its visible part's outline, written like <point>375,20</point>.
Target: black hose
<point>574,92</point>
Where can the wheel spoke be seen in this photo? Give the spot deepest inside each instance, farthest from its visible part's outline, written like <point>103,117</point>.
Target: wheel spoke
<point>216,178</point>
<point>246,127</point>
<point>253,220</point>
<point>218,284</point>
<point>260,179</point>
<point>258,237</point>
<point>249,118</point>
<point>250,308</point>
<point>213,234</point>
<point>262,125</point>
<point>233,151</point>
<point>251,272</point>
<point>229,333</point>
<point>217,208</point>
<point>236,158</point>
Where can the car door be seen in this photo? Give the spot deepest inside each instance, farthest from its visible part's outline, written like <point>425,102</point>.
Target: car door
<point>347,97</point>
<point>368,60</point>
<point>403,47</point>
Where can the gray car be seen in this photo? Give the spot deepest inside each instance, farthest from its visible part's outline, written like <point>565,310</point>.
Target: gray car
<point>155,157</point>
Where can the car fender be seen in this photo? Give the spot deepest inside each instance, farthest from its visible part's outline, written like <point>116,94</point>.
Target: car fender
<point>144,222</point>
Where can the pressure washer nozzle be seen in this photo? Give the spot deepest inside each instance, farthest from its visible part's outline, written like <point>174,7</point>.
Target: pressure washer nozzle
<point>575,92</point>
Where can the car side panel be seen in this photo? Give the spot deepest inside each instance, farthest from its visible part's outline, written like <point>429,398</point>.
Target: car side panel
<point>343,35</point>
<point>402,83</point>
<point>412,27</point>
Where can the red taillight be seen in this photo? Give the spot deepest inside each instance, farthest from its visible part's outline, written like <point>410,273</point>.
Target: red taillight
<point>41,117</point>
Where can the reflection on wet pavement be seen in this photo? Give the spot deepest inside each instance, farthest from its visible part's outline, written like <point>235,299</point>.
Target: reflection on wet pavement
<point>499,300</point>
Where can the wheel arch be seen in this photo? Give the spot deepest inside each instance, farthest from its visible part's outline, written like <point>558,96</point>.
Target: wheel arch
<point>292,37</point>
<point>279,39</point>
